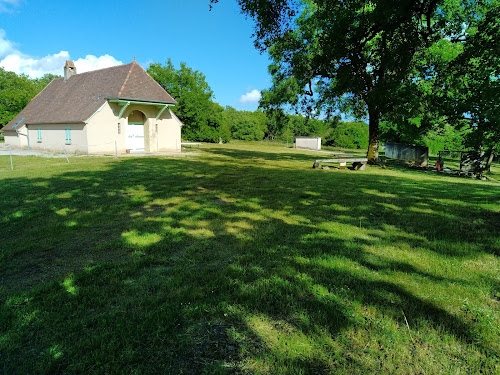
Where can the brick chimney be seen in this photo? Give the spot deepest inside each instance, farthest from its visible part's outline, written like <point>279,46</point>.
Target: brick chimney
<point>69,70</point>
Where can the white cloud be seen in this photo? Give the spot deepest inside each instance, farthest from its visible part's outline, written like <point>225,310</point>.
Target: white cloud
<point>20,63</point>
<point>13,60</point>
<point>6,46</point>
<point>7,5</point>
<point>91,62</point>
<point>251,97</point>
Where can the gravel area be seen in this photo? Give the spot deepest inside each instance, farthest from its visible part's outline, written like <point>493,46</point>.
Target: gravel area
<point>5,150</point>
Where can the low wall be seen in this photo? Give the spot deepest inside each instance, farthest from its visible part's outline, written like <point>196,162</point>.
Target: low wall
<point>416,154</point>
<point>308,143</point>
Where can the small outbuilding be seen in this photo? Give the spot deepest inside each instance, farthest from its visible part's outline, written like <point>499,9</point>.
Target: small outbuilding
<point>120,108</point>
<point>308,143</point>
<point>412,153</point>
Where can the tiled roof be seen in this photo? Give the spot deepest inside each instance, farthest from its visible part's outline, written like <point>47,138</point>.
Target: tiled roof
<point>75,100</point>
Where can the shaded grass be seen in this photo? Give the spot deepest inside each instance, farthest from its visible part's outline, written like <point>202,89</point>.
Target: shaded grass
<point>244,259</point>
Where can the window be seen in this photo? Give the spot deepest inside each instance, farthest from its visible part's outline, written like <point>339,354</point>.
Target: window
<point>119,129</point>
<point>68,135</point>
<point>39,134</point>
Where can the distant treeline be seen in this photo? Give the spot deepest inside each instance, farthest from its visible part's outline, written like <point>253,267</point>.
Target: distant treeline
<point>207,121</point>
<point>276,125</point>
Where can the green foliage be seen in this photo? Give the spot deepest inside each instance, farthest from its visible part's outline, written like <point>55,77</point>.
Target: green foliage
<point>445,137</point>
<point>16,91</point>
<point>245,125</point>
<point>349,135</point>
<point>472,81</point>
<point>272,124</point>
<point>351,54</point>
<point>276,123</point>
<point>202,118</point>
<point>455,82</point>
<point>303,126</point>
<point>248,131</point>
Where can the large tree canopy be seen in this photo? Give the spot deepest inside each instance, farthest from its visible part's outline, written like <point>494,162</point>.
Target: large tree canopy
<point>350,54</point>
<point>472,82</point>
<point>201,116</point>
<point>454,89</point>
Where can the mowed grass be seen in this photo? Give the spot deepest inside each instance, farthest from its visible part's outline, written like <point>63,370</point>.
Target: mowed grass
<point>241,258</point>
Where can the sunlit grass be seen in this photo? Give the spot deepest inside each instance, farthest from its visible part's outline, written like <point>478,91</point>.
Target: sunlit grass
<point>242,258</point>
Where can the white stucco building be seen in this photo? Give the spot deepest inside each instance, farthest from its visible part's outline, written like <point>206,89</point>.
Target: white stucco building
<point>121,107</point>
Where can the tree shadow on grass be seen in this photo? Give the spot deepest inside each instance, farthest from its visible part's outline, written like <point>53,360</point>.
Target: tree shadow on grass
<point>263,157</point>
<point>151,254</point>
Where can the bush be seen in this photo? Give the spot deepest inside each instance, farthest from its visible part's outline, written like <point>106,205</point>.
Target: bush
<point>445,138</point>
<point>245,125</point>
<point>349,135</point>
<point>247,131</point>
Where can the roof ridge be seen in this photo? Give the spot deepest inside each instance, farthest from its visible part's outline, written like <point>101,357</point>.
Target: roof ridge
<point>98,70</point>
<point>75,99</point>
<point>126,79</point>
<point>160,86</point>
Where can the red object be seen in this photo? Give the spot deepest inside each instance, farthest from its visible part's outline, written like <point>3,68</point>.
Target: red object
<point>439,164</point>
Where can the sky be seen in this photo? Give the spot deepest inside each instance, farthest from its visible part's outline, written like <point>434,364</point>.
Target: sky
<point>38,36</point>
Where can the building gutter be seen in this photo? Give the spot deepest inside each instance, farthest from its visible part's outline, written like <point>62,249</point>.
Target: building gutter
<point>175,117</point>
<point>162,106</point>
<point>56,122</point>
<point>99,110</point>
<point>123,101</point>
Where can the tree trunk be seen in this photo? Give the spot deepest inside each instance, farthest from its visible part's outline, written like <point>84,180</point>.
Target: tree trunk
<point>490,158</point>
<point>374,136</point>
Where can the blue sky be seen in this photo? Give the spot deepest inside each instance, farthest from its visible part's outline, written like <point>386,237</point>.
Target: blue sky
<point>37,36</point>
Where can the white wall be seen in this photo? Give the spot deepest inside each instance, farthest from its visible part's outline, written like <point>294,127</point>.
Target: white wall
<point>169,133</point>
<point>11,138</point>
<point>103,129</point>
<point>54,138</point>
<point>16,140</point>
<point>308,143</point>
<point>99,135</point>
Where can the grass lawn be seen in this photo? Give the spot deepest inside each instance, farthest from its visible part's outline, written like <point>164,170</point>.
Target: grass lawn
<point>241,258</point>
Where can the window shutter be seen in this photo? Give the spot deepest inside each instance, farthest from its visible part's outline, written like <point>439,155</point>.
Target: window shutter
<point>68,135</point>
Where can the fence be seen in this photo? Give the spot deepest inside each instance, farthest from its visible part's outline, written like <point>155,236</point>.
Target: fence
<point>412,153</point>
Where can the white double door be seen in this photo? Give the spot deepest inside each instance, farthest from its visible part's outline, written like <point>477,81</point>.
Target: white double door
<point>135,137</point>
